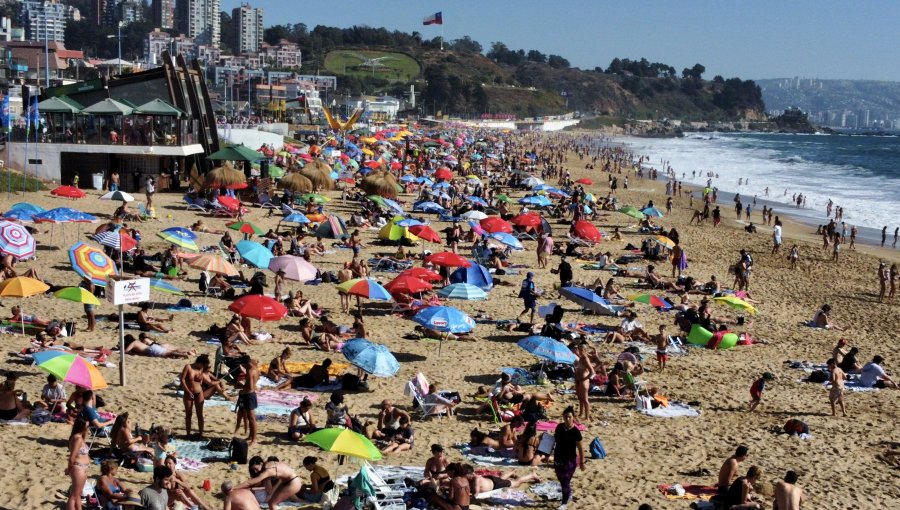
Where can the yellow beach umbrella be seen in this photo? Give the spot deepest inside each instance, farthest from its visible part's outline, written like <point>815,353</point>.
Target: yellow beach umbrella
<point>736,303</point>
<point>78,295</point>
<point>22,287</point>
<point>368,152</point>
<point>665,241</point>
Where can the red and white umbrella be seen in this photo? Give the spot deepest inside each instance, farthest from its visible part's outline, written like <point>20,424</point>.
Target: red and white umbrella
<point>15,240</point>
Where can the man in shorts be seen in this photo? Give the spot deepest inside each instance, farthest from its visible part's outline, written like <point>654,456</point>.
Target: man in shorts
<point>247,403</point>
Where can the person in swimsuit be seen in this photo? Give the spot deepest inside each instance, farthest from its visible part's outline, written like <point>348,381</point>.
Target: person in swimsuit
<point>301,421</point>
<point>123,442</point>
<point>584,372</point>
<point>526,447</point>
<point>145,346</point>
<point>247,403</point>
<point>11,406</point>
<point>436,466</point>
<point>78,464</point>
<point>181,490</point>
<point>110,491</point>
<point>389,421</point>
<point>18,316</point>
<point>279,478</point>
<point>510,479</point>
<point>278,371</point>
<point>403,440</point>
<point>319,481</point>
<point>242,499</point>
<point>198,385</point>
<point>149,323</point>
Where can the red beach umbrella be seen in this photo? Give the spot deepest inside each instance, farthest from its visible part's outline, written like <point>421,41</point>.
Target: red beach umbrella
<point>443,173</point>
<point>259,307</point>
<point>448,259</point>
<point>585,180</point>
<point>494,224</point>
<point>68,192</point>
<point>526,220</point>
<point>425,232</point>
<point>587,231</point>
<point>421,273</point>
<point>407,285</point>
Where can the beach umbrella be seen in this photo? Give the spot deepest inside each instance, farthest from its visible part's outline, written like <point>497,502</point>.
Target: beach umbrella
<point>665,241</point>
<point>444,319</point>
<point>295,217</point>
<point>422,274</point>
<point>78,295</point>
<point>15,240</point>
<point>165,287</point>
<point>260,307</point>
<point>119,241</point>
<point>462,291</point>
<point>447,259</point>
<point>590,198</point>
<point>118,195</point>
<point>548,349</point>
<point>213,263</point>
<point>586,230</point>
<point>22,287</point>
<point>526,220</point>
<point>245,227</point>
<point>425,232</point>
<point>409,222</point>
<point>631,211</point>
<point>380,183</point>
<point>494,224</point>
<point>254,253</point>
<point>473,215</point>
<point>393,232</point>
<point>475,274</point>
<point>652,211</point>
<point>651,300</point>
<point>477,200</point>
<point>296,182</point>
<point>365,287</point>
<point>507,239</point>
<point>68,192</point>
<point>372,358</point>
<point>91,263</point>
<point>428,207</point>
<point>344,442</point>
<point>63,215</point>
<point>333,228</point>
<point>295,268</point>
<point>443,173</point>
<point>19,215</point>
<point>586,299</point>
<point>408,178</point>
<point>276,172</point>
<point>224,176</point>
<point>585,181</point>
<point>231,203</point>
<point>26,206</point>
<point>736,303</point>
<point>556,192</point>
<point>180,237</point>
<point>404,284</point>
<point>532,182</point>
<point>502,198</point>
<point>70,368</point>
<point>536,200</point>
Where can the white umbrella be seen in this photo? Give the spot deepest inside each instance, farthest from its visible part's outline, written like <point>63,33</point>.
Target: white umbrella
<point>532,182</point>
<point>474,215</point>
<point>118,195</point>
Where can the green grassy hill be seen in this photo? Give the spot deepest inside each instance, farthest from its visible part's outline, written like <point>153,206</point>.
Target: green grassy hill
<point>386,65</point>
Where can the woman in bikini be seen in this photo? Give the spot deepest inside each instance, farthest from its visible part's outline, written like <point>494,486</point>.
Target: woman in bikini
<point>198,386</point>
<point>319,481</point>
<point>584,372</point>
<point>147,347</point>
<point>110,491</point>
<point>280,480</point>
<point>78,464</point>
<point>182,491</point>
<point>123,441</point>
<point>526,447</point>
<point>436,466</point>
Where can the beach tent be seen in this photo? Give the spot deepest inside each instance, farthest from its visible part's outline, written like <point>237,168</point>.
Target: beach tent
<point>705,338</point>
<point>475,274</point>
<point>333,228</point>
<point>394,232</point>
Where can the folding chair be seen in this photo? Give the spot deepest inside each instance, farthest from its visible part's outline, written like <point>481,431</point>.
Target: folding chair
<point>195,205</point>
<point>522,235</point>
<point>388,496</point>
<point>221,369</point>
<point>426,409</point>
<point>233,257</point>
<point>265,201</point>
<point>206,288</point>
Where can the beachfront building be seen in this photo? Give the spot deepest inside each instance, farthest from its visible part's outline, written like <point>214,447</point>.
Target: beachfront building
<point>47,19</point>
<point>8,32</point>
<point>131,11</point>
<point>377,108</point>
<point>284,55</point>
<point>162,12</point>
<point>32,63</point>
<point>147,123</point>
<point>199,19</point>
<point>248,28</point>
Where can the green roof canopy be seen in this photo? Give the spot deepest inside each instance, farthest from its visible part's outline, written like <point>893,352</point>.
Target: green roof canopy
<point>236,153</point>
<point>159,107</point>
<point>57,105</point>
<point>108,107</point>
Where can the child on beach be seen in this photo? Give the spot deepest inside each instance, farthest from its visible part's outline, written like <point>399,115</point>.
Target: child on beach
<point>662,348</point>
<point>756,390</point>
<point>794,256</point>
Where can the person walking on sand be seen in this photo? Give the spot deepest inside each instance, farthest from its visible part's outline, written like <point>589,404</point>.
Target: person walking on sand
<point>757,389</point>
<point>836,393</point>
<point>662,348</point>
<point>794,256</point>
<point>787,495</point>
<point>883,235</point>
<point>776,238</point>
<point>836,248</point>
<point>883,277</point>
<point>247,402</point>
<point>679,260</point>
<point>568,454</point>
<point>528,293</point>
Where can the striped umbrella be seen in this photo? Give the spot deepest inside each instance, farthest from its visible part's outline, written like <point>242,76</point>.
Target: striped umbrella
<point>70,368</point>
<point>16,241</point>
<point>465,291</point>
<point>214,263</point>
<point>365,287</point>
<point>164,286</point>
<point>652,300</point>
<point>91,263</point>
<point>245,227</point>
<point>180,237</point>
<point>118,195</point>
<point>116,240</point>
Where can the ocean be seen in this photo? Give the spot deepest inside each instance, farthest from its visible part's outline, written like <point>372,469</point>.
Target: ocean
<point>859,173</point>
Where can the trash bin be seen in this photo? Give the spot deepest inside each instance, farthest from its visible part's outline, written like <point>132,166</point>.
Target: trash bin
<point>98,181</point>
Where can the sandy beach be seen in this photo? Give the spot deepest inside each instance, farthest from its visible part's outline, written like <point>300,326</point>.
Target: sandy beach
<point>838,466</point>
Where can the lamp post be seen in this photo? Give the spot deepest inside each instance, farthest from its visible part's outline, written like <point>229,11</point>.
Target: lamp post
<point>119,38</point>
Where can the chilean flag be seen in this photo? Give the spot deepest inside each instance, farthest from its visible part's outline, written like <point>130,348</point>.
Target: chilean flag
<point>434,19</point>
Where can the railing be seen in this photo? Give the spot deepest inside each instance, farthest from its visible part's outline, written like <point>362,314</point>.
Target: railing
<point>141,134</point>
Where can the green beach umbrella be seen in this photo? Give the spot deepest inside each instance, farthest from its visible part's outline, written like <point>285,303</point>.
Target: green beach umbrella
<point>344,442</point>
<point>236,153</point>
<point>631,211</point>
<point>276,172</point>
<point>78,295</point>
<point>314,198</point>
<point>502,198</point>
<point>246,227</point>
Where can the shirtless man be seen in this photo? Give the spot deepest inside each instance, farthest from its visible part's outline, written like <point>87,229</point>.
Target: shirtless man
<point>728,473</point>
<point>149,323</point>
<point>508,435</point>
<point>247,399</point>
<point>198,385</point>
<point>11,408</point>
<point>787,495</point>
<point>584,372</point>
<point>238,499</point>
<point>836,393</point>
<point>282,477</point>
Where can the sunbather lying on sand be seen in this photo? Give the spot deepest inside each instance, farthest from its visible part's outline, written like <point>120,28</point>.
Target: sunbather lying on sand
<point>144,346</point>
<point>17,316</point>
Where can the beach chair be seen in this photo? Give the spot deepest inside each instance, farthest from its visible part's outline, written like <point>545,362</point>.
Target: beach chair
<point>144,213</point>
<point>225,212</point>
<point>404,304</point>
<point>264,200</point>
<point>206,288</point>
<point>221,369</point>
<point>523,235</point>
<point>233,257</point>
<point>426,409</point>
<point>480,255</point>
<point>195,205</point>
<point>388,493</point>
<point>389,266</point>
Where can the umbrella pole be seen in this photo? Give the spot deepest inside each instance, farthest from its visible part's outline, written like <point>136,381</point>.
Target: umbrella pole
<point>22,314</point>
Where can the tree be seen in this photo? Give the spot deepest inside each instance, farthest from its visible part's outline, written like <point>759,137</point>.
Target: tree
<point>226,29</point>
<point>466,46</point>
<point>536,56</point>
<point>615,67</point>
<point>718,79</point>
<point>698,71</point>
<point>276,33</point>
<point>557,62</point>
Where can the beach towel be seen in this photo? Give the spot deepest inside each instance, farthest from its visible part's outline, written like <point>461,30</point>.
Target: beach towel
<point>549,490</point>
<point>302,367</point>
<point>550,426</point>
<point>484,456</point>
<point>194,455</point>
<point>520,376</point>
<point>674,410</point>
<point>195,308</point>
<point>505,497</point>
<point>704,492</point>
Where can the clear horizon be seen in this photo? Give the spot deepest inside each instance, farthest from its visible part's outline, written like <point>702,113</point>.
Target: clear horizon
<point>754,40</point>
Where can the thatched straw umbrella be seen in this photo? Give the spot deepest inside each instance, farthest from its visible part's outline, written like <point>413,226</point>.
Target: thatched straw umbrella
<point>319,174</point>
<point>224,176</point>
<point>380,183</point>
<point>296,183</point>
<point>195,179</point>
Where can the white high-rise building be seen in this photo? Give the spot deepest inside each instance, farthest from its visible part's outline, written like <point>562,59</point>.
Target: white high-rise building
<point>199,19</point>
<point>47,20</point>
<point>248,28</point>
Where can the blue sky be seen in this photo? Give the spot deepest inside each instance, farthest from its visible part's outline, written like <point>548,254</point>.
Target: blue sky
<point>748,39</point>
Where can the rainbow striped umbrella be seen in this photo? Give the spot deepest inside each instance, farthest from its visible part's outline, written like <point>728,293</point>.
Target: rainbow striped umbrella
<point>16,241</point>
<point>365,287</point>
<point>92,263</point>
<point>214,263</point>
<point>164,286</point>
<point>70,368</point>
<point>180,237</point>
<point>651,300</point>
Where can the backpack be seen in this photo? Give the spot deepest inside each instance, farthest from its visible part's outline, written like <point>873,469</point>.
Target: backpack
<point>818,376</point>
<point>238,450</point>
<point>597,449</point>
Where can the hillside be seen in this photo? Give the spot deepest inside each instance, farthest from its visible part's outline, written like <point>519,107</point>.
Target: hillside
<point>828,101</point>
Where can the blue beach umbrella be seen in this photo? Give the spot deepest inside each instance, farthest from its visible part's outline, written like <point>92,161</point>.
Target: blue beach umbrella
<point>441,185</point>
<point>408,178</point>
<point>26,206</point>
<point>507,239</point>
<point>445,319</point>
<point>548,349</point>
<point>254,253</point>
<point>424,180</point>
<point>375,359</point>
<point>537,200</point>
<point>464,291</point>
<point>586,298</point>
<point>63,215</point>
<point>19,215</point>
<point>409,222</point>
<point>393,205</point>
<point>428,207</point>
<point>295,217</point>
<point>652,211</point>
<point>164,286</point>
<point>181,237</point>
<point>475,274</point>
<point>477,200</point>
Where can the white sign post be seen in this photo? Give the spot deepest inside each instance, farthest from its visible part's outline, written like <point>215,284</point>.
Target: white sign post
<point>121,293</point>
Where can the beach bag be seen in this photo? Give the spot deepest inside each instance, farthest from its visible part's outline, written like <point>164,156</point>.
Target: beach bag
<point>40,416</point>
<point>597,449</point>
<point>546,444</point>
<point>238,451</point>
<point>218,445</point>
<point>818,376</point>
<point>796,427</point>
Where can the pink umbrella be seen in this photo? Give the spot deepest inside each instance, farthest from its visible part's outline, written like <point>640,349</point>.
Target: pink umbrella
<point>295,268</point>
